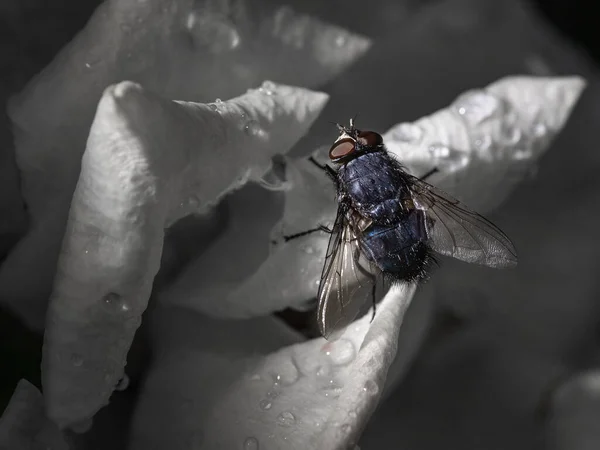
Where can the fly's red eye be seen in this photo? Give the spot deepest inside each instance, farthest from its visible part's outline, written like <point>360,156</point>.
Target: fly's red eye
<point>369,139</point>
<point>341,148</point>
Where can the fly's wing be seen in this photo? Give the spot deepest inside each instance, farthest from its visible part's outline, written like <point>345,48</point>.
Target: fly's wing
<point>347,279</point>
<point>454,230</point>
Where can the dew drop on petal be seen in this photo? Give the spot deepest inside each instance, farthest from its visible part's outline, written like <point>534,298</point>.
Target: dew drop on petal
<point>342,352</point>
<point>251,443</point>
<point>371,387</point>
<point>448,159</point>
<point>213,106</point>
<point>346,428</point>
<point>83,426</point>
<point>123,383</point>
<point>352,414</point>
<point>483,142</point>
<point>115,302</point>
<point>522,154</point>
<point>214,32</point>
<point>252,128</point>
<point>540,130</point>
<point>407,132</point>
<point>272,394</point>
<point>267,88</point>
<point>513,137</point>
<point>475,106</point>
<point>341,40</point>
<point>265,405</point>
<point>218,101</point>
<point>286,419</point>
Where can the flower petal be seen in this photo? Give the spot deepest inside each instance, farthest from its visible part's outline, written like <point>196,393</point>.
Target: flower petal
<point>279,392</point>
<point>24,424</point>
<point>522,116</point>
<point>128,190</point>
<point>180,49</point>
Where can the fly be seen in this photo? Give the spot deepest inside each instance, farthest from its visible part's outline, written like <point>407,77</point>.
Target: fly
<point>391,224</point>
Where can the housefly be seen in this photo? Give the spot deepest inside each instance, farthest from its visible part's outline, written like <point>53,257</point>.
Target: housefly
<point>391,224</point>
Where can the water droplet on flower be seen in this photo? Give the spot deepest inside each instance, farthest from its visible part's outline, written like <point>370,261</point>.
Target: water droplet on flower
<point>194,201</point>
<point>123,383</point>
<point>371,387</point>
<point>407,132</point>
<point>213,106</point>
<point>265,405</point>
<point>483,142</point>
<point>252,128</point>
<point>513,137</point>
<point>448,159</point>
<point>522,154</point>
<point>352,414</point>
<point>539,130</point>
<point>267,88</point>
<point>287,376</point>
<point>115,301</point>
<point>307,249</point>
<point>322,371</point>
<point>332,390</point>
<point>214,32</point>
<point>251,443</point>
<point>286,419</point>
<point>342,352</point>
<point>341,40</point>
<point>218,101</point>
<point>346,428</point>
<point>82,427</point>
<point>273,394</point>
<point>77,359</point>
<point>476,106</point>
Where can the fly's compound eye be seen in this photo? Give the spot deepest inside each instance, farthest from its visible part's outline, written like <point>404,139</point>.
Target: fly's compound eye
<point>369,139</point>
<point>341,149</point>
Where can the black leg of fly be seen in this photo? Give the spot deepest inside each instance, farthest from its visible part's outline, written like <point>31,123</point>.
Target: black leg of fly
<point>324,167</point>
<point>428,174</point>
<point>322,228</point>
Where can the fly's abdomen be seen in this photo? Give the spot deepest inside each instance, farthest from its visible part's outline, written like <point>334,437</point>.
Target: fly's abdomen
<point>399,250</point>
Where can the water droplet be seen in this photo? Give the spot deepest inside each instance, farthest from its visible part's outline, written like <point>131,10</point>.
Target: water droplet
<point>265,405</point>
<point>407,132</point>
<point>123,383</point>
<point>513,136</point>
<point>448,159</point>
<point>287,375</point>
<point>341,40</point>
<point>342,352</point>
<point>539,130</point>
<point>77,359</point>
<point>286,419</point>
<point>332,390</point>
<point>346,428</point>
<point>273,394</point>
<point>322,371</point>
<point>267,88</point>
<point>371,387</point>
<point>483,142</point>
<point>252,127</point>
<point>212,31</point>
<point>251,443</point>
<point>214,107</point>
<point>194,201</point>
<point>307,249</point>
<point>522,154</point>
<point>475,106</point>
<point>115,301</point>
<point>82,427</point>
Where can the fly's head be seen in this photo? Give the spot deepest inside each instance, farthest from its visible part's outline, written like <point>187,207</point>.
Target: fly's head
<point>353,142</point>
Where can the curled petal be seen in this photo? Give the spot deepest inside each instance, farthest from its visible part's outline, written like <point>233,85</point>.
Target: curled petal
<point>24,424</point>
<point>278,392</point>
<point>490,136</point>
<point>148,162</point>
<point>180,49</point>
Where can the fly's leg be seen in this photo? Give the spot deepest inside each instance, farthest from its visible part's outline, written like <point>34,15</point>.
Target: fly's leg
<point>428,174</point>
<point>374,289</point>
<point>326,168</point>
<point>322,228</point>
